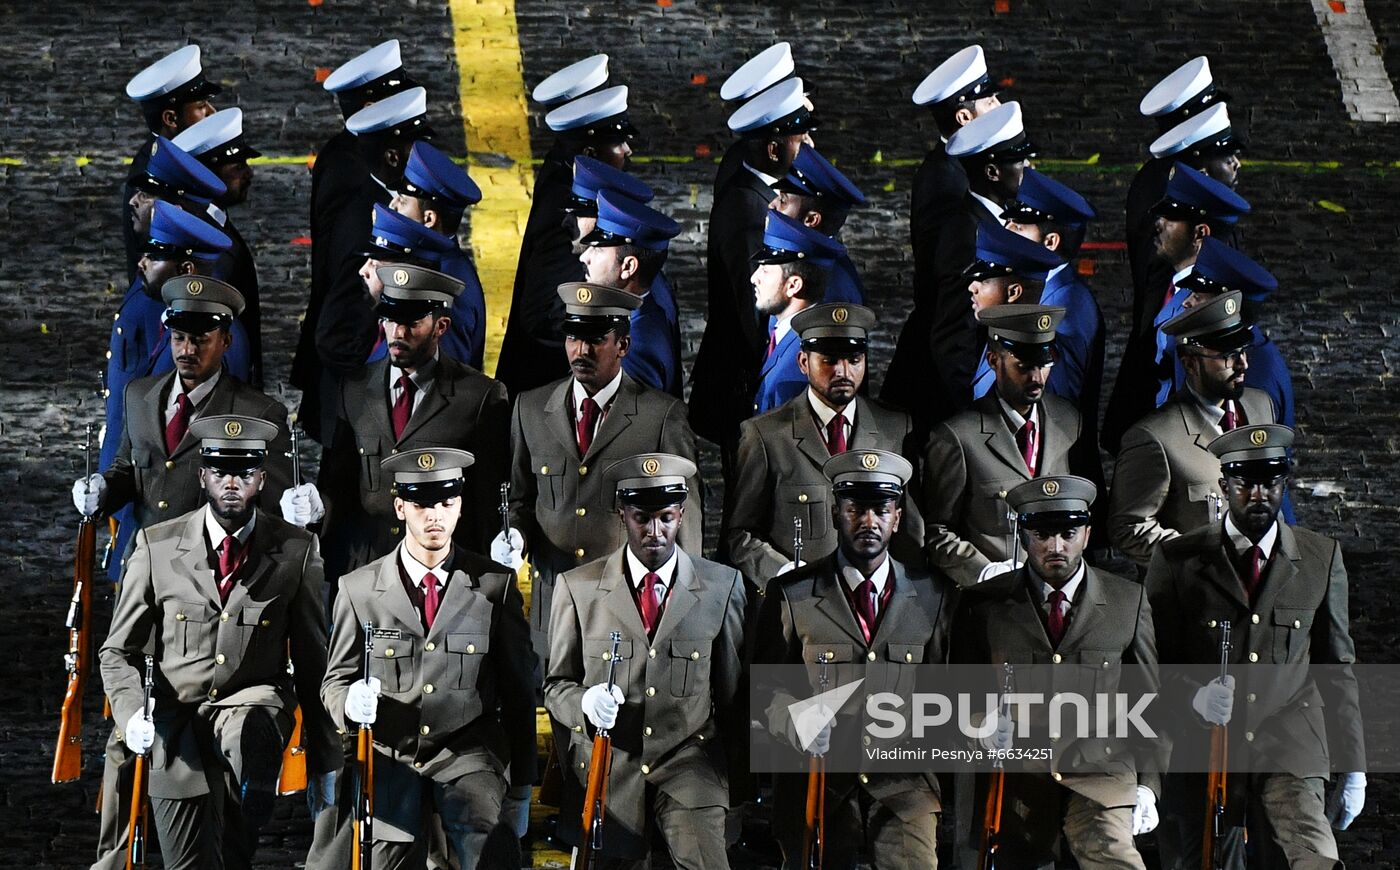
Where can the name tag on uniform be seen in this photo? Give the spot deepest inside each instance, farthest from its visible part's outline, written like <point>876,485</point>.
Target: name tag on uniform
<point>387,634</point>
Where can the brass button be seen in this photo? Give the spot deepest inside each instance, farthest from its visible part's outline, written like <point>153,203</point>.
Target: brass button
<point>1254,657</point>
<point>163,504</point>
<point>471,648</point>
<point>830,655</point>
<point>1210,624</point>
<point>544,469</point>
<point>219,659</point>
<point>908,657</point>
<point>1249,736</point>
<point>578,554</point>
<point>802,498</point>
<point>1056,776</point>
<point>1250,697</point>
<point>427,688</point>
<point>1105,665</point>
<point>394,530</point>
<point>223,617</point>
<point>1001,494</point>
<point>393,490</point>
<point>265,623</point>
<point>362,451</point>
<point>583,471</point>
<point>647,731</point>
<point>1108,750</point>
<point>1254,618</point>
<point>424,730</point>
<point>213,693</point>
<point>582,765</point>
<point>578,729</point>
<point>429,646</point>
<point>646,768</point>
<point>1307,704</point>
<point>695,656</point>
<point>117,316</point>
<point>866,738</point>
<point>418,764</point>
<point>607,656</point>
<point>651,653</point>
<point>389,652</point>
<point>394,450</point>
<point>179,617</point>
<point>864,779</point>
<point>1056,658</point>
<point>700,737</point>
<point>870,656</point>
<point>651,691</point>
<point>580,512</point>
<point>169,463</point>
<point>1297,623</point>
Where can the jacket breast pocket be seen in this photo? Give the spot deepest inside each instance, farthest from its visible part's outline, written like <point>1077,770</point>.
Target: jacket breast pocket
<point>189,628</point>
<point>809,504</point>
<point>254,623</point>
<point>549,482</point>
<point>370,454</point>
<point>993,501</point>
<point>467,650</point>
<point>598,660</point>
<point>141,462</point>
<point>690,667</point>
<point>392,662</point>
<point>1292,633</point>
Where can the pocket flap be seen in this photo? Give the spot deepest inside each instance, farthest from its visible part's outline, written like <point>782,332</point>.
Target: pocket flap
<point>1293,617</point>
<point>393,648</point>
<point>251,616</point>
<point>189,611</point>
<point>791,493</point>
<point>833,652</point>
<point>468,643</point>
<point>602,649</point>
<point>906,653</point>
<point>689,649</point>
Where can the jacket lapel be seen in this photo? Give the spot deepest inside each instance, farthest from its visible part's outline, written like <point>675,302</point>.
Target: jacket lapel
<point>805,433</point>
<point>434,401</point>
<point>461,590</point>
<point>1084,615</point>
<point>377,394</point>
<point>393,600</point>
<point>617,597</point>
<point>1194,420</point>
<point>154,408</point>
<point>832,601</point>
<point>193,558</point>
<point>1220,568</point>
<point>559,418</point>
<point>779,352</point>
<point>901,608</point>
<point>866,433</point>
<point>998,435</point>
<point>219,401</point>
<point>619,416</point>
<point>1283,565</point>
<point>686,589</point>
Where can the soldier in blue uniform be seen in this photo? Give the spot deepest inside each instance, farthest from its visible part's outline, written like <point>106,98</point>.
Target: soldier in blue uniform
<point>791,274</point>
<point>436,192</point>
<point>1006,269</point>
<point>626,250</point>
<point>338,175</point>
<point>177,177</point>
<point>217,142</point>
<point>816,193</point>
<point>173,94</point>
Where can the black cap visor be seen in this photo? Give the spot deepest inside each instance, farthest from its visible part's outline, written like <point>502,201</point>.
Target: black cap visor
<point>196,322</point>
<point>1238,337</point>
<point>1028,353</point>
<point>868,491</point>
<point>590,327</point>
<point>232,460</point>
<point>1055,521</point>
<point>404,310</point>
<point>654,498</point>
<point>430,492</point>
<point>802,121</point>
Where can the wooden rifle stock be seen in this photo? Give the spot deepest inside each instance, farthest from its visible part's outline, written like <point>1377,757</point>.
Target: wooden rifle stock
<point>137,823</point>
<point>996,792</point>
<point>292,779</point>
<point>1212,857</point>
<point>595,797</point>
<point>814,817</point>
<point>68,754</point>
<point>362,856</point>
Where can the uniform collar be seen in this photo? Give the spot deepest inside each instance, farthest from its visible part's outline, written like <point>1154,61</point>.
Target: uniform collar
<point>852,576</point>
<point>781,327</point>
<point>417,570</point>
<point>1070,589</point>
<point>216,534</point>
<point>602,397</point>
<point>1055,271</point>
<point>637,571</point>
<point>992,207</point>
<point>764,177</point>
<point>421,376</point>
<point>1014,417</point>
<point>1215,414</point>
<point>825,412</point>
<point>198,394</point>
<point>219,215</point>
<point>1180,276</point>
<point>1242,543</point>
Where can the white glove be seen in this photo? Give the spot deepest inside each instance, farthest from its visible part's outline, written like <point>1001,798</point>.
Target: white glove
<point>1215,701</point>
<point>1145,817</point>
<point>515,810</point>
<point>790,566</point>
<point>600,705</point>
<point>362,701</point>
<point>1000,739</point>
<point>509,552</point>
<point>993,569</point>
<point>88,492</point>
<point>1348,797</point>
<point>140,732</point>
<point>320,792</point>
<point>302,505</point>
<point>821,742</point>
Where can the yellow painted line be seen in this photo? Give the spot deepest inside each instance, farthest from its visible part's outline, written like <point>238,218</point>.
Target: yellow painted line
<point>492,89</point>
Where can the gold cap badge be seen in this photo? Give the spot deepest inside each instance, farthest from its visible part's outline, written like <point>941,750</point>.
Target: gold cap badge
<point>1259,437</point>
<point>871,461</point>
<point>651,466</point>
<point>233,428</point>
<point>401,277</point>
<point>195,288</point>
<point>426,461</point>
<point>1230,306</point>
<point>585,295</point>
<point>1043,323</point>
<point>1050,487</point>
<point>840,315</point>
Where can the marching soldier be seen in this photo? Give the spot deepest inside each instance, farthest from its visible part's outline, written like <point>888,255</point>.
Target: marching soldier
<point>436,192</point>
<point>594,125</point>
<point>1016,432</point>
<point>857,604</point>
<point>627,249</point>
<point>1165,480</point>
<point>451,663</point>
<point>725,375</point>
<point>592,177</point>
<point>413,398</point>
<point>217,596</point>
<point>779,474</point>
<point>1008,269</point>
<point>173,94</point>
<point>957,92</point>
<point>217,142</point>
<point>937,349</point>
<point>817,194</point>
<point>1283,590</point>
<point>790,275</point>
<point>562,435</point>
<point>1056,608</point>
<point>675,713</point>
<point>338,174</point>
<point>754,76</point>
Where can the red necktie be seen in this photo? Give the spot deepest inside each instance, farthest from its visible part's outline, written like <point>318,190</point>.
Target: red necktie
<point>231,557</point>
<point>587,421</point>
<point>1253,570</point>
<point>865,608</point>
<point>836,435</point>
<point>403,406</point>
<point>650,607</point>
<point>1231,418</point>
<point>179,424</point>
<point>1171,291</point>
<point>772,343</point>
<point>1057,617</point>
<point>1025,439</point>
<point>430,598</point>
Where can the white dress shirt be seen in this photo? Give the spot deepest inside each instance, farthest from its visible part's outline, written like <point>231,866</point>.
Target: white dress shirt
<point>825,412</point>
<point>217,534</point>
<point>195,396</point>
<point>853,578</point>
<point>764,177</point>
<point>603,397</point>
<point>665,574</point>
<point>1069,589</point>
<point>422,378</point>
<point>417,571</point>
<point>992,207</point>
<point>1242,543</point>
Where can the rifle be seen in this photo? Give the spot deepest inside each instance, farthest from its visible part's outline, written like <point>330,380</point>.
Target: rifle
<point>595,799</point>
<point>996,792</point>
<point>292,779</point>
<point>814,830</point>
<point>68,755</point>
<point>140,807</point>
<point>505,510</point>
<point>362,858</point>
<point>1212,855</point>
<point>797,542</point>
<point>101,393</point>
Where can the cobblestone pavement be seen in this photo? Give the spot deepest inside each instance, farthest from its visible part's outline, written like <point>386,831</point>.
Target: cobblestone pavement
<point>1323,188</point>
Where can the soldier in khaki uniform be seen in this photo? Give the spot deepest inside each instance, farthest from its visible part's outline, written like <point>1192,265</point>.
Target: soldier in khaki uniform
<point>1100,792</point>
<point>675,712</point>
<point>217,596</point>
<point>1166,481</point>
<point>1017,432</point>
<point>781,453</point>
<point>450,670</point>
<point>1284,591</point>
<point>414,398</point>
<point>857,605</point>
<point>564,434</point>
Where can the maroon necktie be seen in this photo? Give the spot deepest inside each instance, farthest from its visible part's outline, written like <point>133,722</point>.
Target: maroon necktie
<point>1231,418</point>
<point>1057,617</point>
<point>1171,291</point>
<point>1253,570</point>
<point>430,598</point>
<point>650,608</point>
<point>403,406</point>
<point>772,343</point>
<point>865,608</point>
<point>231,558</point>
<point>836,435</point>
<point>588,420</point>
<point>179,424</point>
<point>1025,439</point>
